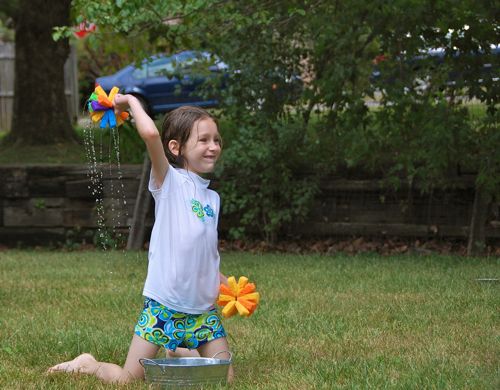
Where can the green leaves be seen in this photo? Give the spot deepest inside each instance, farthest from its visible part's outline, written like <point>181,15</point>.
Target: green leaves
<point>297,11</point>
<point>299,82</point>
<point>60,32</point>
<point>263,191</point>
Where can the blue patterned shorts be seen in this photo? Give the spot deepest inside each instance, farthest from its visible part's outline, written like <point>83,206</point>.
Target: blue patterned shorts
<point>171,329</point>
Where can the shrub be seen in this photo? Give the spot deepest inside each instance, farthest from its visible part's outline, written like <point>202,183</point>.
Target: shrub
<point>262,185</point>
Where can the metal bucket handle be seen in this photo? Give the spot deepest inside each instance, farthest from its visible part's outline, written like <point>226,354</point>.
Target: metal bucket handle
<point>142,360</point>
<point>229,352</point>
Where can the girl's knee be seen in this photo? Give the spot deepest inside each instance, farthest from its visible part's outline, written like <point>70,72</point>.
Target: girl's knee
<point>218,348</point>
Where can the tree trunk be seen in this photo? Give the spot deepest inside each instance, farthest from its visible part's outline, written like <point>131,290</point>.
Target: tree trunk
<point>40,114</point>
<point>476,245</point>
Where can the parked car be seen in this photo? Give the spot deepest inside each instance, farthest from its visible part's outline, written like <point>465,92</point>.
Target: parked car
<point>163,83</point>
<point>460,67</point>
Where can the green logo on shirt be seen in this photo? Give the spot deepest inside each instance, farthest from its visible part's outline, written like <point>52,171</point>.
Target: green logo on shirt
<point>201,211</point>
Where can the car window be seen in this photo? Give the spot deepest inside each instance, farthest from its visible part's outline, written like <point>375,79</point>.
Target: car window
<point>160,67</point>
<point>156,68</point>
<point>140,73</point>
<point>188,60</point>
<point>184,60</point>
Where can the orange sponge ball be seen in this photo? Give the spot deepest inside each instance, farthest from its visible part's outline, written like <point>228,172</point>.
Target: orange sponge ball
<point>238,297</point>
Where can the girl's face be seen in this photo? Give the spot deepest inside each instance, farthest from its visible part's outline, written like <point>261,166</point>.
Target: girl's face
<point>203,147</point>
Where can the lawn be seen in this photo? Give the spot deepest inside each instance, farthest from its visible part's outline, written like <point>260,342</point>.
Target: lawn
<point>325,322</point>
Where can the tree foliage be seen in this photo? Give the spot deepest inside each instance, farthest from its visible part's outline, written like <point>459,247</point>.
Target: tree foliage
<point>421,130</point>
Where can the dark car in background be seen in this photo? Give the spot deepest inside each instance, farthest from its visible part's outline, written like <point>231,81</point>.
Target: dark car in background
<point>461,68</point>
<point>163,83</point>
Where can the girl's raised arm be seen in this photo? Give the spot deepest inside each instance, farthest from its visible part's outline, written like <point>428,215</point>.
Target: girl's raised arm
<point>148,132</point>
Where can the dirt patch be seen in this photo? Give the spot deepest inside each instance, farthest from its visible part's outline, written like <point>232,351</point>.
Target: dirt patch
<point>355,245</point>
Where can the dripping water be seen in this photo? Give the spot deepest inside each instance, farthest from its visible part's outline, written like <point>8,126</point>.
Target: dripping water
<point>118,202</point>
<point>109,225</point>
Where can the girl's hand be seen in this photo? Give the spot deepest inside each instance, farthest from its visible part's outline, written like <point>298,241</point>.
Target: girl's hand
<point>122,102</point>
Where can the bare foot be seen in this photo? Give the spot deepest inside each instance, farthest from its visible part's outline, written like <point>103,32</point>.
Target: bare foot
<point>79,364</point>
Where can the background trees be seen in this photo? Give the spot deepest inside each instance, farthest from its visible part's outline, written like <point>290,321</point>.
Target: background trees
<point>421,122</point>
<point>40,113</point>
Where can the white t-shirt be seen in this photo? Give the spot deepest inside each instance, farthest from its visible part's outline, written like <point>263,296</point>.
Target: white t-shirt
<point>183,271</point>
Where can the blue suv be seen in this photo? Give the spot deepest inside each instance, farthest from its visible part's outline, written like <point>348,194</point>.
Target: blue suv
<point>163,83</point>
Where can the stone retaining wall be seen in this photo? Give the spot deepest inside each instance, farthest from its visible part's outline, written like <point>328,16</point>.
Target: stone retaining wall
<point>50,204</point>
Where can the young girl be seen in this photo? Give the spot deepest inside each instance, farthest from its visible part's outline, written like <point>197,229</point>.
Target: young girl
<point>183,277</point>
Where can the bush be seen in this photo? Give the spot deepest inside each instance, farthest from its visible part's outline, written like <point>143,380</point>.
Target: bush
<point>414,138</point>
<point>262,185</point>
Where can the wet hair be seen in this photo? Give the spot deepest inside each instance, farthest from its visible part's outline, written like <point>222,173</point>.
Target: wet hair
<point>177,125</point>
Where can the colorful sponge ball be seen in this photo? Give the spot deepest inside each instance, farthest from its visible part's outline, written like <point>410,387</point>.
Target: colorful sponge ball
<point>238,297</point>
<point>100,107</point>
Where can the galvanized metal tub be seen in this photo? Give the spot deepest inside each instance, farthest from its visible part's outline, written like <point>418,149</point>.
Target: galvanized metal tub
<point>189,371</point>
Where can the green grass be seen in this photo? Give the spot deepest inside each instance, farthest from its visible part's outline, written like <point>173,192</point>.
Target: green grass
<point>324,322</point>
<point>63,153</point>
<point>132,149</point>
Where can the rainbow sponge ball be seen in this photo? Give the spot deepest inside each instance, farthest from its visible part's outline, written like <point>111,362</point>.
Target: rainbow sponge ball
<point>101,109</point>
<point>238,297</point>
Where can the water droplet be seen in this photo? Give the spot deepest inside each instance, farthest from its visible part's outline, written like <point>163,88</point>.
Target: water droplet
<point>94,140</point>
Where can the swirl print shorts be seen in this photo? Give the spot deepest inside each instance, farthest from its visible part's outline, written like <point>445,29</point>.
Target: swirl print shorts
<point>171,329</point>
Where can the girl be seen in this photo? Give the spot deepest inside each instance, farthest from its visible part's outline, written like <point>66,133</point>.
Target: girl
<point>183,277</point>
